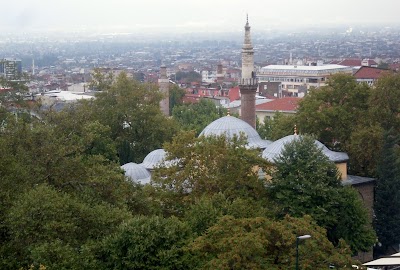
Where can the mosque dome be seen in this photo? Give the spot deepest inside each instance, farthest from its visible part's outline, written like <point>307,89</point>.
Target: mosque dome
<point>231,126</point>
<point>154,158</point>
<point>137,173</point>
<point>273,150</point>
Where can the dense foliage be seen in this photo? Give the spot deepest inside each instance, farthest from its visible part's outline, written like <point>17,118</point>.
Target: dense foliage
<point>305,181</point>
<point>196,116</point>
<point>65,203</point>
<point>387,205</point>
<point>345,116</point>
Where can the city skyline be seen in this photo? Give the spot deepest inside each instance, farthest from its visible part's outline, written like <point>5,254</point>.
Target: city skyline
<point>192,16</point>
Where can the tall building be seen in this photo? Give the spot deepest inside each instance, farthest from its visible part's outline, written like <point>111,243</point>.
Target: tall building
<point>163,84</point>
<point>248,82</point>
<point>296,80</point>
<point>220,75</point>
<point>11,69</point>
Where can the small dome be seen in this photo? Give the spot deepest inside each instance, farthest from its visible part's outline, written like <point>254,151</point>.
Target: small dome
<point>273,150</point>
<point>154,159</point>
<point>137,173</point>
<point>231,126</point>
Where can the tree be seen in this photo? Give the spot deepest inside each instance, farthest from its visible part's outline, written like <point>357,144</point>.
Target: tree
<point>43,218</point>
<point>175,97</point>
<point>17,91</point>
<point>304,181</point>
<point>207,166</point>
<point>131,110</point>
<point>332,112</point>
<point>384,102</point>
<point>364,148</point>
<point>383,65</point>
<point>259,243</point>
<point>387,196</point>
<point>278,127</point>
<point>146,243</point>
<point>101,81</point>
<point>196,116</point>
<point>206,211</point>
<point>188,77</point>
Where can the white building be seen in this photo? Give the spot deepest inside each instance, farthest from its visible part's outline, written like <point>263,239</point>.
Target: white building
<point>295,78</point>
<point>208,76</point>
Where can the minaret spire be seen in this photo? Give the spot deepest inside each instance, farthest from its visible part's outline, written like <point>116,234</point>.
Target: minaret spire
<point>163,83</point>
<point>248,82</point>
<point>247,53</point>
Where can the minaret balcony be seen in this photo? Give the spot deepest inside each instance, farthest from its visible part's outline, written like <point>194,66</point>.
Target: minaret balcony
<point>248,82</point>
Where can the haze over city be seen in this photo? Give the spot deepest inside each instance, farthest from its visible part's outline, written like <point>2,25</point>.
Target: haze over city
<point>191,16</point>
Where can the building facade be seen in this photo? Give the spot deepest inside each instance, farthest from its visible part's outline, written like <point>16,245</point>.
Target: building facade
<point>296,79</point>
<point>11,69</point>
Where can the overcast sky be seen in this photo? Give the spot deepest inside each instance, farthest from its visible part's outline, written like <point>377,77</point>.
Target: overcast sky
<point>191,15</point>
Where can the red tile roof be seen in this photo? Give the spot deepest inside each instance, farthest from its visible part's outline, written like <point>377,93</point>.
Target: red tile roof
<point>351,62</point>
<point>191,98</point>
<point>282,104</point>
<point>234,93</point>
<point>369,73</point>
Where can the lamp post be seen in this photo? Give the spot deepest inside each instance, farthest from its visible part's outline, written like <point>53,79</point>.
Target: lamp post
<point>298,238</point>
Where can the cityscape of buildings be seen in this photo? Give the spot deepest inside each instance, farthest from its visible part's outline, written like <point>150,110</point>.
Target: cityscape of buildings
<point>256,77</point>
<point>286,64</point>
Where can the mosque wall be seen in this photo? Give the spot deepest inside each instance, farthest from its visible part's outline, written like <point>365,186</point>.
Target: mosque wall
<point>342,168</point>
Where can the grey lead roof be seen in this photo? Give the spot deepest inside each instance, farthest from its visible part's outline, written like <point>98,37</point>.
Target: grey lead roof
<point>231,126</point>
<point>357,180</point>
<point>154,159</point>
<point>273,150</point>
<point>137,173</point>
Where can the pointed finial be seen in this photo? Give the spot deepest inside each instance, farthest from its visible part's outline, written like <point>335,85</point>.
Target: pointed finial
<point>229,112</point>
<point>247,17</point>
<point>295,129</point>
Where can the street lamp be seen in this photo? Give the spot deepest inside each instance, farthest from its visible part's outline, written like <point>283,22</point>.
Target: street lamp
<point>298,238</point>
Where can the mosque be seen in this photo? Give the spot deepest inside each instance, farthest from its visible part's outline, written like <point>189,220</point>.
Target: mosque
<point>232,126</point>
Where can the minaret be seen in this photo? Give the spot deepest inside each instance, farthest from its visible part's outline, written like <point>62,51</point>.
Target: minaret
<point>220,75</point>
<point>163,84</point>
<point>33,67</point>
<point>248,82</point>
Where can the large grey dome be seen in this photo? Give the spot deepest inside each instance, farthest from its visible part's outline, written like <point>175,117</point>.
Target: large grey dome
<point>137,173</point>
<point>154,159</point>
<point>273,150</point>
<point>231,126</point>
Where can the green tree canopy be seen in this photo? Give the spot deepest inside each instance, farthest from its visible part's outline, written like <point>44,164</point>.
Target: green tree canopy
<point>387,197</point>
<point>196,116</point>
<point>176,95</point>
<point>278,127</point>
<point>210,165</point>
<point>146,243</point>
<point>131,110</point>
<point>304,181</point>
<point>385,102</point>
<point>188,77</point>
<point>41,217</point>
<point>332,112</point>
<point>259,243</point>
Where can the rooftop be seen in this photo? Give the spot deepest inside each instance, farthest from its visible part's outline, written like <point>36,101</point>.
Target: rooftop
<point>290,70</point>
<point>369,73</point>
<point>303,68</point>
<point>287,104</point>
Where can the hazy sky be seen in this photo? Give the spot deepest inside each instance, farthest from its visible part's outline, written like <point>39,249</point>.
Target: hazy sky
<point>191,15</point>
